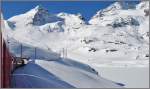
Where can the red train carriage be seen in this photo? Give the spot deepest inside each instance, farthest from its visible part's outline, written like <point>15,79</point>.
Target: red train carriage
<point>5,62</point>
<point>6,66</point>
<point>8,62</point>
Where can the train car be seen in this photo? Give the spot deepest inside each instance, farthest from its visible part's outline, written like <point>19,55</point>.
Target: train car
<point>6,66</point>
<point>5,60</point>
<point>8,62</point>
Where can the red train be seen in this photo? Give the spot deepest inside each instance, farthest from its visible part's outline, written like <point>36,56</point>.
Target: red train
<point>8,62</point>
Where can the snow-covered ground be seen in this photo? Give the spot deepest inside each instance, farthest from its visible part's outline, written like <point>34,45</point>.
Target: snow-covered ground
<point>116,39</point>
<point>58,74</point>
<point>132,73</point>
<point>132,77</point>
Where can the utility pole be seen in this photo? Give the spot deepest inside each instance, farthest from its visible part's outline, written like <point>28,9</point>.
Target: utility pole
<point>35,53</point>
<point>21,50</point>
<point>63,53</point>
<point>66,53</point>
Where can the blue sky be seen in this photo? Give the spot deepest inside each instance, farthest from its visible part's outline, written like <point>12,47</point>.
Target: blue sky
<point>86,8</point>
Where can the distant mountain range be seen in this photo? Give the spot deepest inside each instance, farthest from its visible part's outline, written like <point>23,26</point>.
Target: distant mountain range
<point>113,33</point>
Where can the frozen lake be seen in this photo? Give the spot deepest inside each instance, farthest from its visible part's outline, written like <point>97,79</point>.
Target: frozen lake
<point>132,77</point>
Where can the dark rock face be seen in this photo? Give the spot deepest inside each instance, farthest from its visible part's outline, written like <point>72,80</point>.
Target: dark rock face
<point>42,17</point>
<point>111,50</point>
<point>122,22</point>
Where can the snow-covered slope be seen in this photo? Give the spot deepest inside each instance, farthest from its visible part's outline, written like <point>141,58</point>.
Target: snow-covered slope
<point>128,26</point>
<point>58,74</point>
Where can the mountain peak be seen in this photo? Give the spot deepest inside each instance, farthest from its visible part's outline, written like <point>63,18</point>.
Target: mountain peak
<point>40,8</point>
<point>41,16</point>
<point>110,10</point>
<point>143,5</point>
<point>36,16</point>
<point>121,5</point>
<point>72,19</point>
<point>115,11</point>
<point>116,5</point>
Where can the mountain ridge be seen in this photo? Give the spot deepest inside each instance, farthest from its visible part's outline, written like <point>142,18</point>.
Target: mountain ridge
<point>117,36</point>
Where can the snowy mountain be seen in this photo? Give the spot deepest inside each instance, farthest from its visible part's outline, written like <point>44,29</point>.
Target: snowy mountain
<point>72,20</point>
<point>120,32</point>
<point>143,5</point>
<point>115,36</point>
<point>115,11</point>
<point>36,16</point>
<point>115,32</point>
<point>114,28</point>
